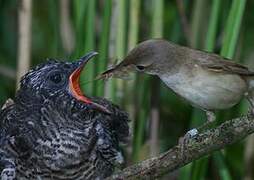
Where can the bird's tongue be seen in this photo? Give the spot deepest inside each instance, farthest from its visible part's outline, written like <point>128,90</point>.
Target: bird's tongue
<point>74,85</point>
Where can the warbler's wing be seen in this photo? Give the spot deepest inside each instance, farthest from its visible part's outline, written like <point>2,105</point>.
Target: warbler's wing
<point>219,64</point>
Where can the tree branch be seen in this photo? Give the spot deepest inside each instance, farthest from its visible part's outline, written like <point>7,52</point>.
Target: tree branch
<point>201,145</point>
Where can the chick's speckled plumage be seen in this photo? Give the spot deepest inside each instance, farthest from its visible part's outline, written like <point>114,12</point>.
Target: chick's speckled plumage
<point>48,134</point>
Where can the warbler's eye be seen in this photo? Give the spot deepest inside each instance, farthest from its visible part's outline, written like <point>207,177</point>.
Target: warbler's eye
<point>140,68</point>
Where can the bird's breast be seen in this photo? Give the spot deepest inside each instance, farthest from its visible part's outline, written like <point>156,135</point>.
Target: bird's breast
<point>205,89</point>
<point>68,154</point>
<point>64,145</point>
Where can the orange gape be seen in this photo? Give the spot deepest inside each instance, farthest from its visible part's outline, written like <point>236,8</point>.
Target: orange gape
<point>75,87</point>
<point>77,93</point>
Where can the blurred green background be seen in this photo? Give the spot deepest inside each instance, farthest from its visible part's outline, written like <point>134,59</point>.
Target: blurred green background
<point>67,29</point>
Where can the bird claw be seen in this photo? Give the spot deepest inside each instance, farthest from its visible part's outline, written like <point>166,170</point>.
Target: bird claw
<point>183,141</point>
<point>8,174</point>
<point>191,133</point>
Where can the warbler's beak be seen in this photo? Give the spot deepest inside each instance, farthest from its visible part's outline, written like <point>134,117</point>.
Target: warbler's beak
<point>74,85</point>
<point>121,71</point>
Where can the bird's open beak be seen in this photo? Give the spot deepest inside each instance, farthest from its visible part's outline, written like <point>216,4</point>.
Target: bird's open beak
<point>74,85</point>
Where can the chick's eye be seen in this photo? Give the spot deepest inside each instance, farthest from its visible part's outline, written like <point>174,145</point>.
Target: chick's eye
<point>56,78</point>
<point>140,68</point>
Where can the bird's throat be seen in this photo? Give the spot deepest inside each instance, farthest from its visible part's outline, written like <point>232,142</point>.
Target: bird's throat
<point>76,91</point>
<point>75,86</point>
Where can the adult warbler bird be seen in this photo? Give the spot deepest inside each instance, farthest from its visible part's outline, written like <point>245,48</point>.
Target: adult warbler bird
<point>206,80</point>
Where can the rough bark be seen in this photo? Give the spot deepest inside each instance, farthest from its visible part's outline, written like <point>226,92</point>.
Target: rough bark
<point>201,145</point>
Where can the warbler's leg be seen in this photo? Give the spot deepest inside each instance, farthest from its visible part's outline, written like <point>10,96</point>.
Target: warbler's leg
<point>210,116</point>
<point>210,120</point>
<point>183,141</point>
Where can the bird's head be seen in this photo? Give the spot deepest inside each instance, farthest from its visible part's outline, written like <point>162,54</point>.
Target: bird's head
<point>148,57</point>
<point>55,78</point>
